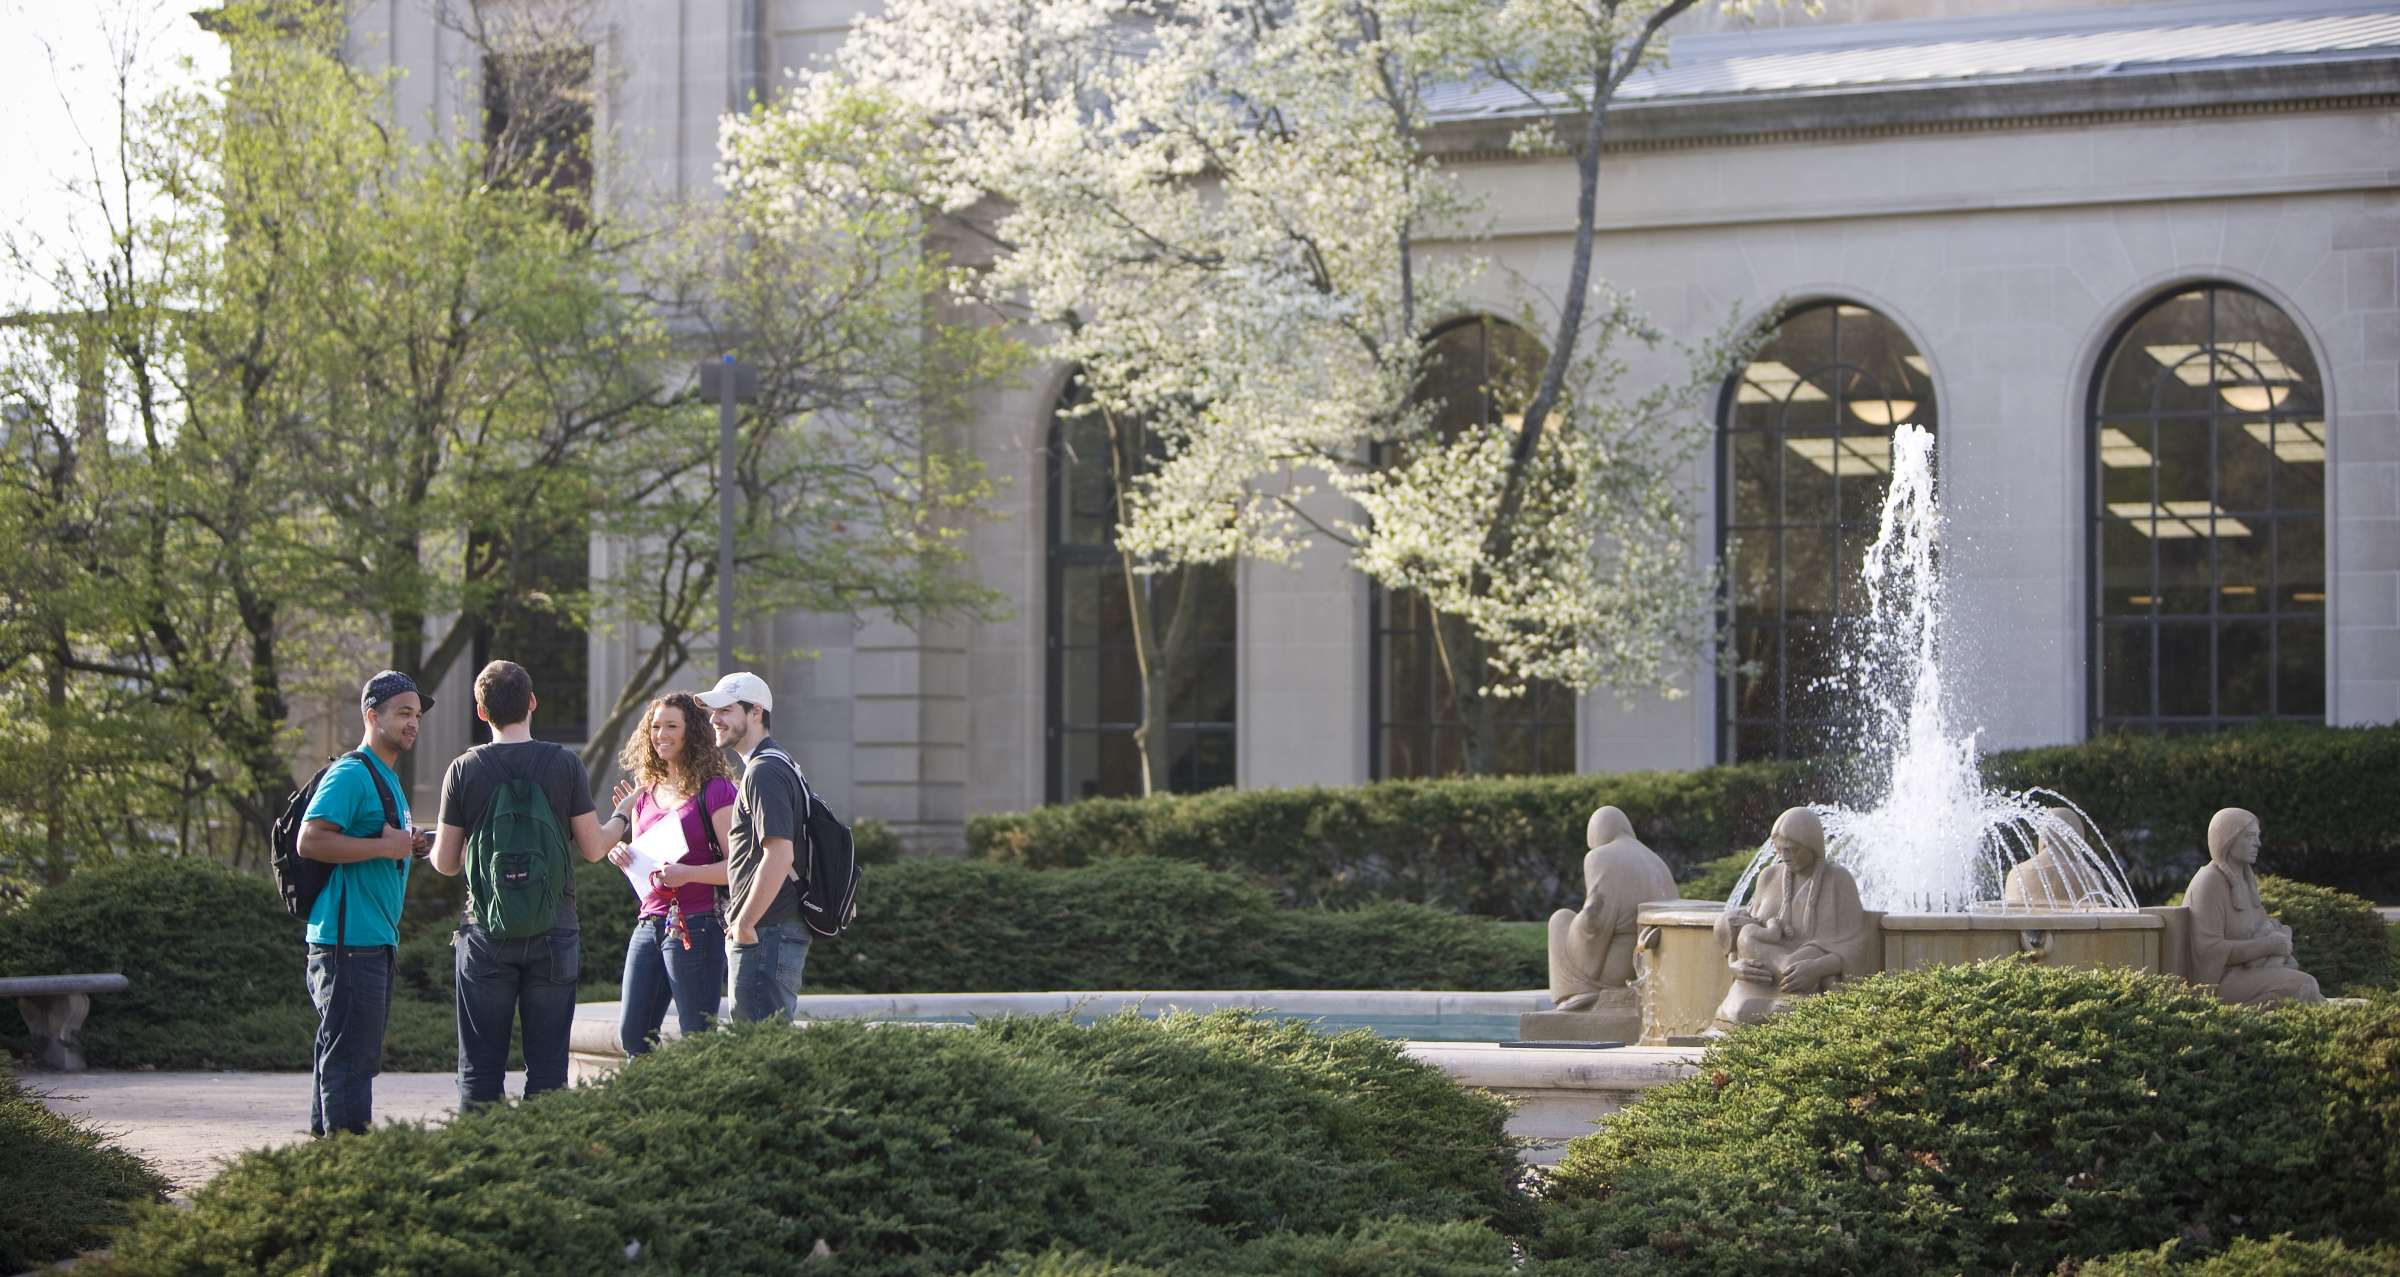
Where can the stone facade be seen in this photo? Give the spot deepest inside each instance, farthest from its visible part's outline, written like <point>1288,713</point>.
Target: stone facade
<point>2008,227</point>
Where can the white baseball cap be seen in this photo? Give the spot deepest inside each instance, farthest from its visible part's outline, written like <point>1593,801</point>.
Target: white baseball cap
<point>741,685</point>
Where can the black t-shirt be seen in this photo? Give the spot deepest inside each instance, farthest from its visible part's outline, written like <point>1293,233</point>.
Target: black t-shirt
<point>474,776</point>
<point>768,807</point>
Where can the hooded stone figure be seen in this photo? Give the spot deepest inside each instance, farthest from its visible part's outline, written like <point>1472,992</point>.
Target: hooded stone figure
<point>2236,944</point>
<point>2053,877</point>
<point>1802,927</point>
<point>1591,949</point>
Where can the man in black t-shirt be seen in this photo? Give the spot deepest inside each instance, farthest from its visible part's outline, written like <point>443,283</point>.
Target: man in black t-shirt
<point>768,943</point>
<point>499,979</point>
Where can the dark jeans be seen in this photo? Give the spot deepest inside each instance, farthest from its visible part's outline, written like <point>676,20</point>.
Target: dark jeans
<point>353,997</point>
<point>499,980</point>
<point>766,975</point>
<point>658,969</point>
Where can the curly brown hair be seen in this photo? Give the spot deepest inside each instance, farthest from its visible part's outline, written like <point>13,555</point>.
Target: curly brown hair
<point>700,761</point>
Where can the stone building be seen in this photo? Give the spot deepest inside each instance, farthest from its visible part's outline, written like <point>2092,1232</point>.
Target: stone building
<point>2138,266</point>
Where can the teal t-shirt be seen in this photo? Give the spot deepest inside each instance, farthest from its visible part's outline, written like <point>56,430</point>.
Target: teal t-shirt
<point>368,892</point>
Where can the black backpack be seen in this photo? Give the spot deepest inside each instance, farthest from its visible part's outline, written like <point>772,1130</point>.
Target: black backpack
<point>827,867</point>
<point>298,879</point>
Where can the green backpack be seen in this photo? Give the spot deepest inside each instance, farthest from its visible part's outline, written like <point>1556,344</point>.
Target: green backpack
<point>517,863</point>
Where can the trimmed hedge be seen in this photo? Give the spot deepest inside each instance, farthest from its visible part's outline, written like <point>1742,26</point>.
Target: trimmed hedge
<point>214,967</point>
<point>1510,846</point>
<point>952,926</point>
<point>1379,1248</point>
<point>895,1150</point>
<point>2336,937</point>
<point>63,1186</point>
<point>2000,1117</point>
<point>2276,1257</point>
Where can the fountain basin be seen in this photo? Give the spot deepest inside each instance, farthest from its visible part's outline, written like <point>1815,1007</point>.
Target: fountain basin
<point>1684,975</point>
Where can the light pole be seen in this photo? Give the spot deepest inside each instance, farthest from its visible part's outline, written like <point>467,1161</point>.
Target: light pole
<point>728,382</point>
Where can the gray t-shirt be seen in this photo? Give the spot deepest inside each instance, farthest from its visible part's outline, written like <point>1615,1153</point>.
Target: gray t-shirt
<point>474,776</point>
<point>769,807</point>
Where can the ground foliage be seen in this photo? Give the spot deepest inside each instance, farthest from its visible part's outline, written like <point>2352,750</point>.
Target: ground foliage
<point>1511,847</point>
<point>966,926</point>
<point>1994,1118</point>
<point>62,1184</point>
<point>902,1151</point>
<point>2274,1257</point>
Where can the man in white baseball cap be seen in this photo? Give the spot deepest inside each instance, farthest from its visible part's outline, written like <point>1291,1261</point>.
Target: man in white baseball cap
<point>767,943</point>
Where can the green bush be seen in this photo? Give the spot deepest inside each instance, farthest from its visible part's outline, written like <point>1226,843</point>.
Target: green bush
<point>965,927</point>
<point>2336,937</point>
<point>901,1151</point>
<point>63,1186</point>
<point>1715,879</point>
<point>2276,1257</point>
<point>214,967</point>
<point>1994,1118</point>
<point>1381,1248</point>
<point>1511,847</point>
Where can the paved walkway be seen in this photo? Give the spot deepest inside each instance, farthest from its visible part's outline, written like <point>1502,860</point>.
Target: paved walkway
<point>186,1124</point>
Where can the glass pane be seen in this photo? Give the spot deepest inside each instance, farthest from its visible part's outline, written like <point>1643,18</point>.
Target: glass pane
<point>1204,692</point>
<point>1120,765</point>
<point>2243,669</point>
<point>1808,475</point>
<point>2125,671</point>
<point>1750,571</point>
<point>1757,476</point>
<point>1079,587</point>
<point>2242,571</point>
<point>2245,455</point>
<point>2300,465</point>
<point>1078,765</point>
<point>2184,682</point>
<point>1079,687</point>
<point>2125,585</point>
<point>1404,686</point>
<point>2125,462</point>
<point>1865,474</point>
<point>1407,751</point>
<point>2300,669</point>
<point>2300,565</point>
<point>1809,668</point>
<point>2183,567</point>
<point>1808,574</point>
<point>1555,747</point>
<point>1757,671</point>
<point>2183,449</point>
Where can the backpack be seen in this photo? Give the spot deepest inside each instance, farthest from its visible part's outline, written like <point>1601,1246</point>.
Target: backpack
<point>827,867</point>
<point>299,880</point>
<point>517,862</point>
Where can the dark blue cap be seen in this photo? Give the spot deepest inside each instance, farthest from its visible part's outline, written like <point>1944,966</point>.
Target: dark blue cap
<point>389,684</point>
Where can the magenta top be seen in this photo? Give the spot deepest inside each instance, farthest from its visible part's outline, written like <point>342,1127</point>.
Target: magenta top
<point>696,897</point>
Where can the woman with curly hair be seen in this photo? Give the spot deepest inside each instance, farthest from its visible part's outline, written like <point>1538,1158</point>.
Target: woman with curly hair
<point>674,771</point>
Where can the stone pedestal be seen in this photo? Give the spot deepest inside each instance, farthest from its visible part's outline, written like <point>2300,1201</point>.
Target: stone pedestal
<point>1614,1018</point>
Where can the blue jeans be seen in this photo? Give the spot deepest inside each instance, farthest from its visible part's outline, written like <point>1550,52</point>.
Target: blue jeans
<point>499,981</point>
<point>766,975</point>
<point>353,997</point>
<point>659,969</point>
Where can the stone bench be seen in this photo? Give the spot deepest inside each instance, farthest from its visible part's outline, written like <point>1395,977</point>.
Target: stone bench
<point>54,1007</point>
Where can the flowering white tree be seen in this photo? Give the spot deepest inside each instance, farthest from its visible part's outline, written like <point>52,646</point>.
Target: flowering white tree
<point>1222,210</point>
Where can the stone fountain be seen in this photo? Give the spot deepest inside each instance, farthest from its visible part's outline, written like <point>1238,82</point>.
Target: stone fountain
<point>1940,868</point>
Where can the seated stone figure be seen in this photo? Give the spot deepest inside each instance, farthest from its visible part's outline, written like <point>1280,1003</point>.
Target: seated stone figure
<point>2053,877</point>
<point>1591,949</point>
<point>1802,927</point>
<point>2236,944</point>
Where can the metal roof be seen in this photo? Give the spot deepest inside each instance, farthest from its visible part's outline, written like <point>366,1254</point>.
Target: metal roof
<point>2126,40</point>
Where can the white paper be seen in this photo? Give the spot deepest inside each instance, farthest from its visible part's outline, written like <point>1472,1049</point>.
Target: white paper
<point>656,847</point>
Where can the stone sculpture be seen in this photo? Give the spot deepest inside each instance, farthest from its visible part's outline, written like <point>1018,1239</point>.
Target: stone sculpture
<point>1591,948</point>
<point>2236,944</point>
<point>1801,929</point>
<point>2050,878</point>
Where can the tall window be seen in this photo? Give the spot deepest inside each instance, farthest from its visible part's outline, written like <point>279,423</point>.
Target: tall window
<point>1123,643</point>
<point>2208,439</point>
<point>542,572</point>
<point>1428,718</point>
<point>1807,455</point>
<point>537,124</point>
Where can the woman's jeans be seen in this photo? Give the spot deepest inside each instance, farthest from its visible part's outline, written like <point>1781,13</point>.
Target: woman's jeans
<point>659,970</point>
<point>499,981</point>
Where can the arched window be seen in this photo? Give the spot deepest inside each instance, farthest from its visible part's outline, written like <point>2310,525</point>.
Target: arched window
<point>2208,437</point>
<point>1099,679</point>
<point>1428,719</point>
<point>1806,454</point>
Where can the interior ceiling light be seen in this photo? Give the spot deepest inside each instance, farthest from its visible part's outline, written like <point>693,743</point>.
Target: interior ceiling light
<point>2248,375</point>
<point>2175,520</point>
<point>2118,451</point>
<point>2295,441</point>
<point>1918,362</point>
<point>1856,454</point>
<point>1882,412</point>
<point>1769,381</point>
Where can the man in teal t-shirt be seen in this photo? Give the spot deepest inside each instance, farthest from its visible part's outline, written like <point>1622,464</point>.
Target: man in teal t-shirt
<point>354,926</point>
